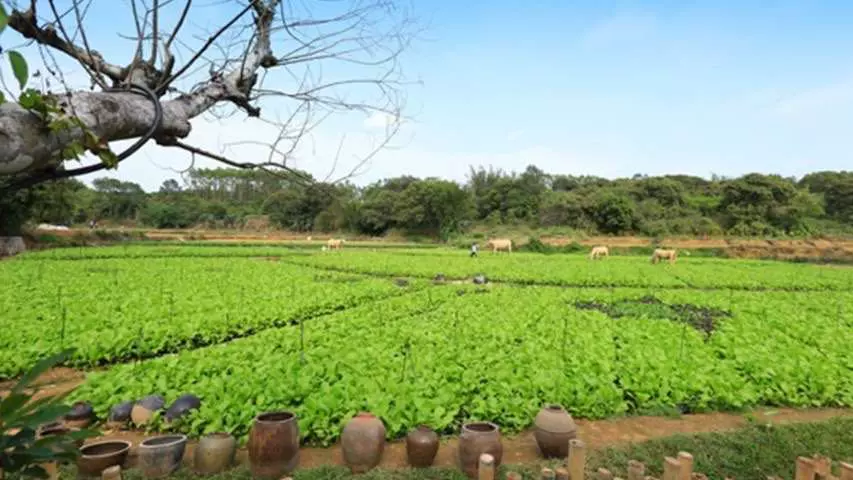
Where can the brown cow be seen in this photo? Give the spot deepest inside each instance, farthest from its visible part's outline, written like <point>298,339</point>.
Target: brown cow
<point>661,254</point>
<point>335,244</point>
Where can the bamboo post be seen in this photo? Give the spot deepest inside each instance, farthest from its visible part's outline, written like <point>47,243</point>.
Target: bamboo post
<point>548,474</point>
<point>671,469</point>
<point>486,470</point>
<point>636,470</point>
<point>604,474</point>
<point>577,459</point>
<point>562,473</point>
<point>686,463</point>
<point>846,471</point>
<point>805,469</point>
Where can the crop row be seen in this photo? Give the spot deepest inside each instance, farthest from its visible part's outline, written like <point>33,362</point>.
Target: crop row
<point>438,357</point>
<point>161,250</point>
<point>118,309</point>
<point>577,270</point>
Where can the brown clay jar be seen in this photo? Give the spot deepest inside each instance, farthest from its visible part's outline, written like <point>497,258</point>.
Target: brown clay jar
<point>274,445</point>
<point>554,428</point>
<point>421,446</point>
<point>476,439</point>
<point>363,442</point>
<point>214,453</point>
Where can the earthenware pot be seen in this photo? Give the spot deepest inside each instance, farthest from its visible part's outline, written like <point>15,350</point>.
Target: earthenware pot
<point>182,406</point>
<point>274,445</point>
<point>81,415</point>
<point>554,428</point>
<point>145,408</point>
<point>421,446</point>
<point>95,457</point>
<point>214,453</point>
<point>476,439</point>
<point>161,456</point>
<point>363,442</point>
<point>60,430</point>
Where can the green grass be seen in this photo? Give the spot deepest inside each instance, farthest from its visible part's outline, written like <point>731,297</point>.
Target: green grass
<point>753,452</point>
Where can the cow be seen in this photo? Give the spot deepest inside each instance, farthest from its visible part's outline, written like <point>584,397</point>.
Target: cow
<point>500,244</point>
<point>598,252</point>
<point>335,244</point>
<point>660,254</point>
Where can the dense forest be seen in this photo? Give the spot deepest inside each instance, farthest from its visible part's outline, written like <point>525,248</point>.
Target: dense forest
<point>751,205</point>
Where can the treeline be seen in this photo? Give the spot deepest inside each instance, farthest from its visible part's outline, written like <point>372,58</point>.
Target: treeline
<point>751,205</point>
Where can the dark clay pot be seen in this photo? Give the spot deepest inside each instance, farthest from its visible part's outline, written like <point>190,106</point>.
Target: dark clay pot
<point>81,415</point>
<point>421,446</point>
<point>363,442</point>
<point>96,457</point>
<point>144,409</point>
<point>161,456</point>
<point>274,445</point>
<point>476,439</point>
<point>554,428</point>
<point>182,406</point>
<point>60,430</point>
<point>119,415</point>
<point>214,453</point>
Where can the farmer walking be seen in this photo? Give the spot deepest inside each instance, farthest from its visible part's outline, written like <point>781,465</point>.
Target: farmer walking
<point>474,248</point>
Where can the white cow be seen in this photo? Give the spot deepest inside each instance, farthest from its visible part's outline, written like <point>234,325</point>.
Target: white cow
<point>598,252</point>
<point>663,254</point>
<point>500,244</point>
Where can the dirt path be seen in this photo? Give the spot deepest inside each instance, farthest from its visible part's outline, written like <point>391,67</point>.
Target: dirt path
<point>521,449</point>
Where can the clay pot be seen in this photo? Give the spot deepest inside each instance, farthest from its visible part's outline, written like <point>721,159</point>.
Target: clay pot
<point>274,445</point>
<point>161,456</point>
<point>144,409</point>
<point>60,430</point>
<point>363,442</point>
<point>214,453</point>
<point>182,406</point>
<point>554,428</point>
<point>421,446</point>
<point>81,415</point>
<point>476,439</point>
<point>95,457</point>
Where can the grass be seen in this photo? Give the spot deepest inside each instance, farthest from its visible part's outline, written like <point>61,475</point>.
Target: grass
<point>753,452</point>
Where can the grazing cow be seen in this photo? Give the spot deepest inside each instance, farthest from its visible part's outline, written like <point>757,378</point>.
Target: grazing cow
<point>335,244</point>
<point>598,252</point>
<point>662,254</point>
<point>500,244</point>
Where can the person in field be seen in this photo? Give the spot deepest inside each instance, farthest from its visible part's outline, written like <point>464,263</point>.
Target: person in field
<point>474,248</point>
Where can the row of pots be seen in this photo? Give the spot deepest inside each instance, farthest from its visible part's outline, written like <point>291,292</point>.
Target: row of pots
<point>139,412</point>
<point>273,446</point>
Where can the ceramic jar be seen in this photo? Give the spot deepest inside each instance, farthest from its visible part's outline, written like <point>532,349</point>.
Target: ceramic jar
<point>421,446</point>
<point>363,442</point>
<point>214,453</point>
<point>274,445</point>
<point>476,439</point>
<point>554,427</point>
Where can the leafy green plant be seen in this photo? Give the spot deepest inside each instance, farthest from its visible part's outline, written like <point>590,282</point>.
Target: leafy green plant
<point>22,449</point>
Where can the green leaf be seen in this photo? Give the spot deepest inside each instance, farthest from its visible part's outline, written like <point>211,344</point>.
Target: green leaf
<point>39,368</point>
<point>4,20</point>
<point>11,403</point>
<point>19,67</point>
<point>2,98</point>
<point>108,158</point>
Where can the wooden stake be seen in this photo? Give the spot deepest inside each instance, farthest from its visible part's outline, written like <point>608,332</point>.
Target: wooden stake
<point>563,474</point>
<point>846,471</point>
<point>548,474</point>
<point>822,466</point>
<point>686,461</point>
<point>636,470</point>
<point>805,469</point>
<point>604,474</point>
<point>486,470</point>
<point>671,469</point>
<point>577,459</point>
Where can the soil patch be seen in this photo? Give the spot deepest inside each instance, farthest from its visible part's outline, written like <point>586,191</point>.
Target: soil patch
<point>703,319</point>
<point>55,381</point>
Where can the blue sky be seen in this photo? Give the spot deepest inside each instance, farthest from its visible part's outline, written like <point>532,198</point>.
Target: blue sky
<point>609,88</point>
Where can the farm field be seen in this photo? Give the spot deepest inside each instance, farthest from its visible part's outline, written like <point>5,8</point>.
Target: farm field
<point>328,334</point>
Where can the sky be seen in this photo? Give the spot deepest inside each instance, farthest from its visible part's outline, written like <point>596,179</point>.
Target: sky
<point>608,88</point>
